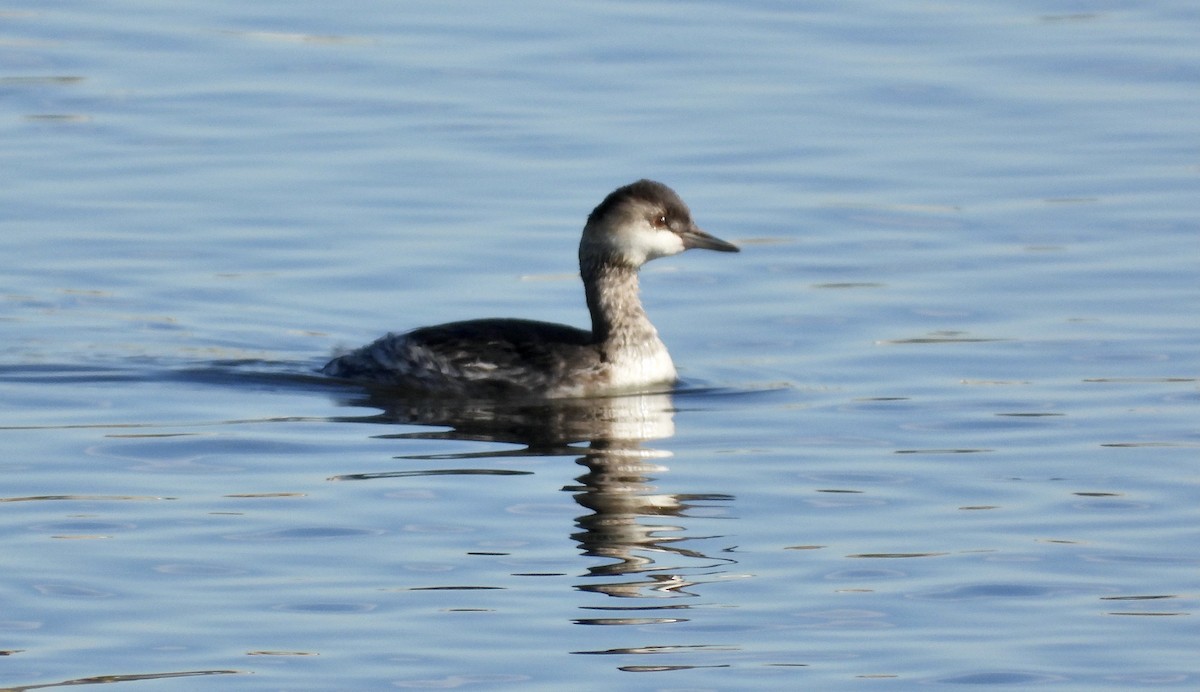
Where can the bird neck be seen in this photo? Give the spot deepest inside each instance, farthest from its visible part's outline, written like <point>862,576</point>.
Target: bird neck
<point>618,318</point>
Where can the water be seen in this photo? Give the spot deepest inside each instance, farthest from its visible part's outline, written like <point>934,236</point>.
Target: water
<point>938,423</point>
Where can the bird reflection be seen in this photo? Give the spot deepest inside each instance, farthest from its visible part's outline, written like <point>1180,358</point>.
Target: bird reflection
<point>636,528</point>
<point>617,489</point>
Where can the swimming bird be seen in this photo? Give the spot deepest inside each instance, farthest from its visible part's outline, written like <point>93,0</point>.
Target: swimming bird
<point>493,358</point>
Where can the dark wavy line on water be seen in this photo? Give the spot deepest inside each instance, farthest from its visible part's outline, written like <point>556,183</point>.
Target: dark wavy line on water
<point>103,679</point>
<point>429,472</point>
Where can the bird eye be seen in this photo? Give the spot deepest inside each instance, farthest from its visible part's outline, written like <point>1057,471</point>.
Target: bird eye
<point>659,221</point>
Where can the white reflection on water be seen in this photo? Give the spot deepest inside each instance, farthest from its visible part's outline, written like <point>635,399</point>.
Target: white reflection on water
<point>643,556</point>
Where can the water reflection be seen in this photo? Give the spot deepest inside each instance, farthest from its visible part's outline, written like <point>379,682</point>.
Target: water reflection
<point>544,427</point>
<point>637,528</point>
<point>617,489</point>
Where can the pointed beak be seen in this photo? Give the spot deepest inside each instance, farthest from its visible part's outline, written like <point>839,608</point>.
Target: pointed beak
<point>694,237</point>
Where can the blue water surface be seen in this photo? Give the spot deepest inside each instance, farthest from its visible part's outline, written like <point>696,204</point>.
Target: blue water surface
<point>939,420</point>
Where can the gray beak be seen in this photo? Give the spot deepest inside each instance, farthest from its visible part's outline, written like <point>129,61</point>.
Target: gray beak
<point>694,237</point>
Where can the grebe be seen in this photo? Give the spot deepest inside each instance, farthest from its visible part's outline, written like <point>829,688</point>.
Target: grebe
<point>512,357</point>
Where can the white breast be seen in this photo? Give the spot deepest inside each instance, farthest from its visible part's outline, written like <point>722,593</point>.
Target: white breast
<point>642,365</point>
